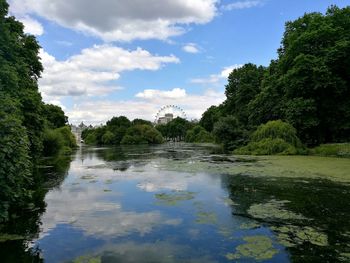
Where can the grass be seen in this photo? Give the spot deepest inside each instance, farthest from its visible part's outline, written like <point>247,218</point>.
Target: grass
<point>333,150</point>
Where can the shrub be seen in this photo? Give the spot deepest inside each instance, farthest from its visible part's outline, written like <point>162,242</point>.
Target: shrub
<point>198,135</point>
<point>53,142</point>
<point>58,141</point>
<point>277,130</point>
<point>68,137</point>
<point>274,137</point>
<point>268,146</point>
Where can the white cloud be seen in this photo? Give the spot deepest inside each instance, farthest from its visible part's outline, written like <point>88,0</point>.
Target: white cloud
<point>93,71</point>
<point>216,78</point>
<point>191,48</point>
<point>146,106</point>
<point>242,5</point>
<point>153,94</point>
<point>122,20</point>
<point>31,26</point>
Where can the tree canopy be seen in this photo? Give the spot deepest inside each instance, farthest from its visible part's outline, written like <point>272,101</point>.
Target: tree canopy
<point>308,85</point>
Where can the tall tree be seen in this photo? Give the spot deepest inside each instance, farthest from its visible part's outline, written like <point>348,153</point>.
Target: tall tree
<point>20,68</point>
<point>243,85</point>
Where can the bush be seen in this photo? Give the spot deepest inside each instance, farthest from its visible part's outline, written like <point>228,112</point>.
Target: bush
<point>53,142</point>
<point>58,141</point>
<point>198,135</point>
<point>274,137</point>
<point>68,137</point>
<point>268,146</point>
<point>277,130</point>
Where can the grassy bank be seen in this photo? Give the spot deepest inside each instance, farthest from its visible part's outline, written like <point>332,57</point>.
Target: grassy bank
<point>332,150</point>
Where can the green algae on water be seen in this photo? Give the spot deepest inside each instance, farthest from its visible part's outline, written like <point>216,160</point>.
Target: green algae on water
<point>206,218</point>
<point>335,169</point>
<point>87,259</point>
<point>250,225</point>
<point>257,248</point>
<point>291,236</point>
<point>273,210</point>
<point>174,197</point>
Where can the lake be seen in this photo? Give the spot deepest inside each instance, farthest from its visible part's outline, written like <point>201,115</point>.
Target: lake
<point>184,203</point>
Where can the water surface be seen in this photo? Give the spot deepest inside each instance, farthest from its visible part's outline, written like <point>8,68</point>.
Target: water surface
<point>184,203</point>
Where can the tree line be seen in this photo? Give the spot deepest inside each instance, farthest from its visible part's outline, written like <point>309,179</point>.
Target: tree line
<point>307,87</point>
<point>26,122</point>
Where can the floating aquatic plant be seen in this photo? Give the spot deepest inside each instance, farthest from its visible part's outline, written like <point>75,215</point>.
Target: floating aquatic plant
<point>273,210</point>
<point>256,247</point>
<point>174,197</point>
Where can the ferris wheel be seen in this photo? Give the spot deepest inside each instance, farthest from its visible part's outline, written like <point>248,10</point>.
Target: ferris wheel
<point>174,110</point>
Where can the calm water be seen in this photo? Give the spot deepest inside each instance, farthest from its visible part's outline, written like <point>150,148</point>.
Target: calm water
<point>160,204</point>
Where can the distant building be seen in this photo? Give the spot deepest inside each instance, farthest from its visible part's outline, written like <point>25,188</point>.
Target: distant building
<point>166,119</point>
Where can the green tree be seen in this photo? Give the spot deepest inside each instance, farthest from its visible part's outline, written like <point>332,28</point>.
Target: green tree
<point>211,116</point>
<point>20,68</point>
<point>15,165</point>
<point>229,132</point>
<point>55,116</point>
<point>243,85</point>
<point>142,134</point>
<point>308,85</point>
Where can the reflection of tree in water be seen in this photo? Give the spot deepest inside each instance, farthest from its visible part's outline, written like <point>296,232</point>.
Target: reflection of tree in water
<point>16,234</point>
<point>309,217</point>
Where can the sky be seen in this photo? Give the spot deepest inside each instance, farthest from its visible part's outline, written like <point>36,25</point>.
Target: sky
<point>110,58</point>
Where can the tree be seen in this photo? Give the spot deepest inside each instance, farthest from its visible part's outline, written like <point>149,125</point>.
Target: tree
<point>15,166</point>
<point>55,116</point>
<point>229,132</point>
<point>243,85</point>
<point>210,117</point>
<point>142,134</point>
<point>20,68</point>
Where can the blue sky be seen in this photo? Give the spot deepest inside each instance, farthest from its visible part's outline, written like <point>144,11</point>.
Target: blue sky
<point>130,57</point>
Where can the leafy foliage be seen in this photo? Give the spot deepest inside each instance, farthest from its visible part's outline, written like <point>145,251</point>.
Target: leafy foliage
<point>274,137</point>
<point>175,130</point>
<point>229,132</point>
<point>120,130</point>
<point>243,85</point>
<point>15,165</point>
<point>307,86</point>
<point>55,116</point>
<point>198,135</point>
<point>58,141</point>
<point>142,134</point>
<point>23,115</point>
